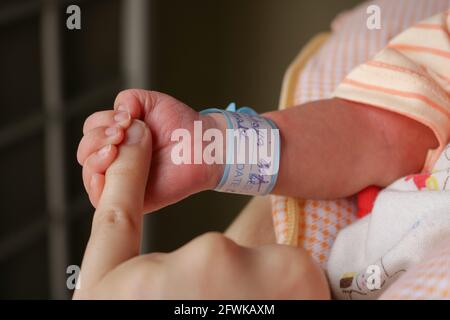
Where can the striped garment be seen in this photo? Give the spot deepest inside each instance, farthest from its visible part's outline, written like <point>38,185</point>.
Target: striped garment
<point>406,72</point>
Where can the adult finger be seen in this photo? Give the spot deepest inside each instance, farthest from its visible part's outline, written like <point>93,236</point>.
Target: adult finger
<point>116,227</point>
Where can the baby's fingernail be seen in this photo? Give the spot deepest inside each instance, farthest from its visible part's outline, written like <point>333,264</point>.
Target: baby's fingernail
<point>104,151</point>
<point>111,131</point>
<point>135,133</point>
<point>121,116</point>
<point>122,107</point>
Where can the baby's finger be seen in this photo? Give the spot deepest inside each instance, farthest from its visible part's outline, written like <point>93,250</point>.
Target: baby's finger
<point>97,163</point>
<point>107,118</point>
<point>96,139</point>
<point>133,101</point>
<point>96,188</point>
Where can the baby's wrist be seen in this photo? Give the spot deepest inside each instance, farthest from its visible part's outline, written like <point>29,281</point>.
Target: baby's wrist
<point>249,152</point>
<point>214,171</point>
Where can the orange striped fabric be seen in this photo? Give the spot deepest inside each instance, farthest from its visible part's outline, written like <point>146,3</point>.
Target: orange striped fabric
<point>407,77</point>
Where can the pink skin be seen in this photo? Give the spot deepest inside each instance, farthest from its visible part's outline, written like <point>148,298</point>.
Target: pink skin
<point>163,114</point>
<point>345,144</point>
<point>211,266</point>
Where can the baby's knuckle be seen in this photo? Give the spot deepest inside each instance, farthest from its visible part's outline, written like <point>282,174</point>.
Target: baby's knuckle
<point>129,93</point>
<point>90,118</point>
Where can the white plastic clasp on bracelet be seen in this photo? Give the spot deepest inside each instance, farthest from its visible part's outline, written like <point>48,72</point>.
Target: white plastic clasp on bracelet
<point>252,152</point>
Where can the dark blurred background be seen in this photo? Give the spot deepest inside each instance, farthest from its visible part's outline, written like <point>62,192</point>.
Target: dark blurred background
<point>205,53</point>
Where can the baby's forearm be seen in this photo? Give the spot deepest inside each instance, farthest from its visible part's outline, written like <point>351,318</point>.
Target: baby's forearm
<point>334,148</point>
<point>329,148</point>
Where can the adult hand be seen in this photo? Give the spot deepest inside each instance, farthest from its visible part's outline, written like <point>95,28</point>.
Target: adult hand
<point>209,267</point>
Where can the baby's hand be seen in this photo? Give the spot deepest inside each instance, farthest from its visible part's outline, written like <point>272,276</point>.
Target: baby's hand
<point>168,183</point>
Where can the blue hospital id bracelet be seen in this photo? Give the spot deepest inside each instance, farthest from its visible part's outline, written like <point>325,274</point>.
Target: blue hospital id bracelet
<point>252,152</point>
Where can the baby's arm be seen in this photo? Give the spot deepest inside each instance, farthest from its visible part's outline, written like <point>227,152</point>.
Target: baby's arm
<point>329,148</point>
<point>335,148</point>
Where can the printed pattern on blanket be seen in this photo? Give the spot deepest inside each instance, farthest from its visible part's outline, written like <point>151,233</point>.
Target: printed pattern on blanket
<point>429,279</point>
<point>409,220</point>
